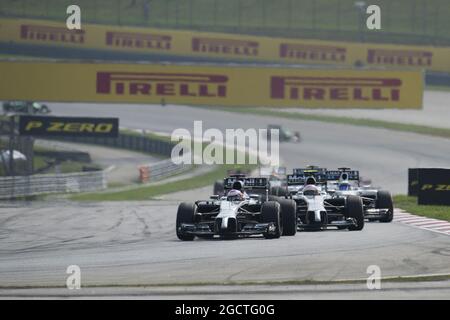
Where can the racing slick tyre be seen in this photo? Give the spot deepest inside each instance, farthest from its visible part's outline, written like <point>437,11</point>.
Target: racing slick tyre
<point>384,201</point>
<point>45,109</point>
<point>288,216</point>
<point>278,191</point>
<point>273,198</point>
<point>354,209</point>
<point>271,212</point>
<point>185,214</point>
<point>218,188</point>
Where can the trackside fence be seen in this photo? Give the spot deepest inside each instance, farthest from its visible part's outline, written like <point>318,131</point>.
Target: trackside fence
<point>25,186</point>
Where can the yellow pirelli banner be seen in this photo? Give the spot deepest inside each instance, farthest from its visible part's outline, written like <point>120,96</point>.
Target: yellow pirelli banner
<point>223,46</point>
<point>210,85</point>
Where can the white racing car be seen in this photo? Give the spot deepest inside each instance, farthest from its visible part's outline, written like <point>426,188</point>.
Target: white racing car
<point>378,204</point>
<point>317,209</point>
<point>237,213</point>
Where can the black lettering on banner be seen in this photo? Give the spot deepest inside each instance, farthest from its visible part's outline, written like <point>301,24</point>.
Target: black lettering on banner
<point>68,126</point>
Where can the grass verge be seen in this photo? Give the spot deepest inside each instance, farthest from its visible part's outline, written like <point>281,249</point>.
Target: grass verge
<point>294,282</point>
<point>149,192</point>
<point>397,126</point>
<point>410,205</point>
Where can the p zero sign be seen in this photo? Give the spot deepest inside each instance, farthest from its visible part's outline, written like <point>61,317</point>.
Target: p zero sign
<point>276,87</point>
<point>434,186</point>
<point>68,126</point>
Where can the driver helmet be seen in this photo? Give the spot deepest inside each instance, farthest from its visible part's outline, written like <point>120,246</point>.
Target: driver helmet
<point>310,181</point>
<point>311,190</point>
<point>235,195</point>
<point>238,185</point>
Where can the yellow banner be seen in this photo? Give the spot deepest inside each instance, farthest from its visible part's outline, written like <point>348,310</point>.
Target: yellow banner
<point>210,85</point>
<point>224,46</point>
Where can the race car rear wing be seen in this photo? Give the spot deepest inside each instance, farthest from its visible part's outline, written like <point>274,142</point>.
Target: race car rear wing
<point>295,179</point>
<point>351,175</point>
<point>309,171</point>
<point>249,183</point>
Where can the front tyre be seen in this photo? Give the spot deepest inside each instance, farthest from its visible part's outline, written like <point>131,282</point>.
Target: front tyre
<point>271,213</point>
<point>354,209</point>
<point>185,214</point>
<point>288,216</point>
<point>384,201</point>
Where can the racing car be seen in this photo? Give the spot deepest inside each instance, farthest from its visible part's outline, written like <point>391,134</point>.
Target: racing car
<point>277,179</point>
<point>218,188</point>
<point>25,107</point>
<point>239,213</point>
<point>285,135</point>
<point>317,209</point>
<point>378,204</point>
<point>294,188</point>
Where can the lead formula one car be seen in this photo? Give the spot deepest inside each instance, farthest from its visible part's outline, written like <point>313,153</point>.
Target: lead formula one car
<point>240,213</point>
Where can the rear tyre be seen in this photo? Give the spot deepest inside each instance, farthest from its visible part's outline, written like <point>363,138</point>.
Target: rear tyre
<point>354,209</point>
<point>384,201</point>
<point>278,191</point>
<point>273,198</point>
<point>45,109</point>
<point>185,214</point>
<point>288,216</point>
<point>270,212</point>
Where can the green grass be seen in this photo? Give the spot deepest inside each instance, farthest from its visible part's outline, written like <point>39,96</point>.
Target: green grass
<point>149,192</point>
<point>410,205</point>
<point>431,131</point>
<point>408,21</point>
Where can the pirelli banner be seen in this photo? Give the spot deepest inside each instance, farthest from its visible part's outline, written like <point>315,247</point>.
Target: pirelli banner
<point>210,85</point>
<point>68,126</point>
<point>223,46</point>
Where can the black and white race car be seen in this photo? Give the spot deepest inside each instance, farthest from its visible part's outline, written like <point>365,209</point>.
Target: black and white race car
<point>378,204</point>
<point>243,211</point>
<point>317,209</point>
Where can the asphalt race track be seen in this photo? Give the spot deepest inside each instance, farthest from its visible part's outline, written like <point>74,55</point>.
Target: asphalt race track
<point>124,247</point>
<point>134,244</point>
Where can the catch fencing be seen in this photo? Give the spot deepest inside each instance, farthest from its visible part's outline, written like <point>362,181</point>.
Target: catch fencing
<point>403,21</point>
<point>33,185</point>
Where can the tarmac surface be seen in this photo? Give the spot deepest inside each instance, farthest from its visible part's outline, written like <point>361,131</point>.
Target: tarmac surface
<point>133,244</point>
<point>129,249</point>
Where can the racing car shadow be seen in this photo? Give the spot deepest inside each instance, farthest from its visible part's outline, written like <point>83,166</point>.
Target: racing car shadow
<point>253,237</point>
<point>321,230</point>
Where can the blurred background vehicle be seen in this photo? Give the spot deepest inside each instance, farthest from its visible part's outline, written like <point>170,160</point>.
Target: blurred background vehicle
<point>28,107</point>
